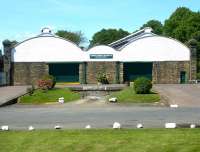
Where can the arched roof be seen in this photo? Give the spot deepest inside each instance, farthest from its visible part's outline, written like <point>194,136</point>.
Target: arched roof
<point>147,48</point>
<point>154,48</point>
<point>47,48</point>
<point>102,50</point>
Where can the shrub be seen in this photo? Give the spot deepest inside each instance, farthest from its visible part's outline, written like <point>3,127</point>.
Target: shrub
<point>142,85</point>
<point>102,78</point>
<point>47,82</point>
<point>52,78</point>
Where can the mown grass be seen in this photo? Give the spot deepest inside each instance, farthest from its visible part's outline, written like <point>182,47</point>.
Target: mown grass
<point>147,140</point>
<point>40,97</point>
<point>128,95</point>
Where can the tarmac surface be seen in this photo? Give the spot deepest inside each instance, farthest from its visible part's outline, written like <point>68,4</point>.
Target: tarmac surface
<point>10,93</point>
<point>184,95</point>
<point>99,115</point>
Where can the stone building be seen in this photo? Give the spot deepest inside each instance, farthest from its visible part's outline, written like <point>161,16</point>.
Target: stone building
<point>162,59</point>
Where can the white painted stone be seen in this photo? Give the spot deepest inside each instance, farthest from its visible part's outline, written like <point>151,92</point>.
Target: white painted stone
<point>139,125</point>
<point>174,106</point>
<point>114,99</point>
<point>116,125</point>
<point>57,127</point>
<point>192,126</point>
<point>61,100</point>
<point>170,125</point>
<point>4,128</point>
<point>30,128</point>
<point>88,127</point>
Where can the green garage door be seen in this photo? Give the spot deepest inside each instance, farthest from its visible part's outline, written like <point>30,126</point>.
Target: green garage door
<point>65,72</point>
<point>135,70</point>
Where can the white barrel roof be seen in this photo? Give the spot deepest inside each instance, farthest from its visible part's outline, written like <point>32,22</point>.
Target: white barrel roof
<point>154,48</point>
<point>48,48</point>
<point>145,48</point>
<point>105,53</point>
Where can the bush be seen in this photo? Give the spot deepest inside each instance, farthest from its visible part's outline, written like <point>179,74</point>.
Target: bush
<point>46,83</point>
<point>102,78</point>
<point>52,78</point>
<point>142,85</point>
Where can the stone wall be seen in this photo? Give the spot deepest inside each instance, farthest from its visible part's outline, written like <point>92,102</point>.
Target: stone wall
<point>28,73</point>
<point>94,68</point>
<point>193,63</point>
<point>169,72</point>
<point>163,72</point>
<point>121,73</point>
<point>82,72</point>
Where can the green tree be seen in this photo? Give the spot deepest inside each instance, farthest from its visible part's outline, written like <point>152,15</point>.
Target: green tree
<point>76,37</point>
<point>107,36</point>
<point>155,25</point>
<point>9,43</point>
<point>182,24</point>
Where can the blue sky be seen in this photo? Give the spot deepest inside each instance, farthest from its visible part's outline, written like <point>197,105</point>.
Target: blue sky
<point>21,19</point>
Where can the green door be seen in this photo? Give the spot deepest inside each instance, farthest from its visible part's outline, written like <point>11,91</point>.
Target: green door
<point>183,77</point>
<point>135,70</point>
<point>65,72</point>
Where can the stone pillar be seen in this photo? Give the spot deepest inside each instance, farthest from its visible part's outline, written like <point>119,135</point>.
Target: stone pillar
<point>193,63</point>
<point>7,46</point>
<point>121,72</point>
<point>155,73</point>
<point>82,72</point>
<point>117,72</point>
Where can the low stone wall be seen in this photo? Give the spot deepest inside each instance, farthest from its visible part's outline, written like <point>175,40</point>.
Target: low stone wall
<point>28,73</point>
<point>169,72</point>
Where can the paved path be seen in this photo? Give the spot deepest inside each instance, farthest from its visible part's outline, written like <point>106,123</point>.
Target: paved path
<point>11,92</point>
<point>101,116</point>
<point>185,95</point>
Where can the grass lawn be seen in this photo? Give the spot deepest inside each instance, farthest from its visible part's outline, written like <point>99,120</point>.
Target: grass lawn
<point>128,95</point>
<point>40,97</point>
<point>144,140</point>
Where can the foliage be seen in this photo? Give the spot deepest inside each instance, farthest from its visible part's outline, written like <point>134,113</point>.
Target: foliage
<point>142,85</point>
<point>182,24</point>
<point>102,140</point>
<point>107,36</point>
<point>128,95</point>
<point>40,97</point>
<point>76,37</point>
<point>47,82</point>
<point>155,25</point>
<point>102,78</point>
<point>50,77</point>
<point>192,43</point>
<point>9,43</point>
